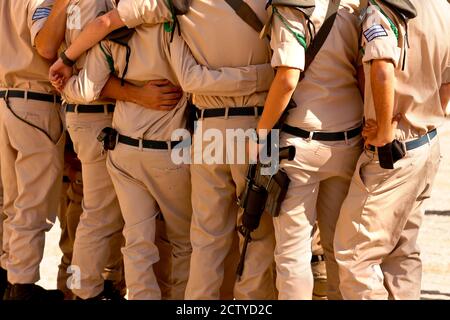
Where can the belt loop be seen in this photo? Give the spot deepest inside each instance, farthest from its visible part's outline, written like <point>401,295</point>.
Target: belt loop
<point>428,138</point>
<point>169,146</point>
<point>346,137</point>
<point>25,95</point>
<point>141,144</point>
<point>7,95</point>
<point>105,109</point>
<point>202,111</point>
<point>75,109</point>
<point>256,111</point>
<point>54,100</point>
<point>226,113</point>
<point>311,134</point>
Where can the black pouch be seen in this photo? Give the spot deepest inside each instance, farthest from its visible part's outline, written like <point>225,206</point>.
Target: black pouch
<point>254,206</point>
<point>108,138</point>
<point>390,154</point>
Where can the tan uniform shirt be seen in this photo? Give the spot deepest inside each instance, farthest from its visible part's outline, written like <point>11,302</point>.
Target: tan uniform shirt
<point>153,57</point>
<point>79,14</point>
<point>217,37</point>
<point>21,67</point>
<point>327,98</point>
<point>426,62</point>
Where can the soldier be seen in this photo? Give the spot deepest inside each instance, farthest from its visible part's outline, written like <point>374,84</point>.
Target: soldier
<point>406,60</point>
<point>144,143</point>
<point>325,129</point>
<point>31,148</point>
<point>216,186</point>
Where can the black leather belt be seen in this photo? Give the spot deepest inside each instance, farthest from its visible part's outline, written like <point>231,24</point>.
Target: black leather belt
<point>147,144</point>
<point>232,112</point>
<point>30,96</point>
<point>322,136</point>
<point>414,144</point>
<point>83,108</point>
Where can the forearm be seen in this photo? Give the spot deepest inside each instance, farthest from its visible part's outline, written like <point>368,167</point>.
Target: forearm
<point>93,33</point>
<point>361,80</point>
<point>114,90</point>
<point>382,81</point>
<point>280,93</point>
<point>445,98</point>
<point>50,37</point>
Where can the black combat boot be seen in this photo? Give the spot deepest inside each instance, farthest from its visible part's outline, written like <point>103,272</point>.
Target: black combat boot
<point>110,292</point>
<point>32,292</point>
<point>113,291</point>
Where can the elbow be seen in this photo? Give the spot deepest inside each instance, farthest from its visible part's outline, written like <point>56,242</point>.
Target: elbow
<point>102,23</point>
<point>288,80</point>
<point>382,71</point>
<point>46,51</point>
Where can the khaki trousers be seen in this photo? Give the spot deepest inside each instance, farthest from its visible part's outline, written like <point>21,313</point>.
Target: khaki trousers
<point>148,183</point>
<point>69,215</point>
<point>215,188</point>
<point>31,169</point>
<point>376,235</point>
<point>98,237</point>
<point>320,176</point>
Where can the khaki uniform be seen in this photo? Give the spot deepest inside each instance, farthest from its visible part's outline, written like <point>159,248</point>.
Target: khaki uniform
<point>99,233</point>
<point>376,235</point>
<point>31,159</point>
<point>147,182</point>
<point>327,100</point>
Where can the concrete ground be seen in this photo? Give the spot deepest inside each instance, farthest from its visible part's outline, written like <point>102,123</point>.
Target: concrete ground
<point>434,237</point>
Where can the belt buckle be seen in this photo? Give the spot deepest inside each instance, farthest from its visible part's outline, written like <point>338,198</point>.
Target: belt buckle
<point>141,144</point>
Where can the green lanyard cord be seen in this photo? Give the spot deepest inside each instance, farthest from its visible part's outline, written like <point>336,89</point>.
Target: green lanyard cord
<point>297,36</point>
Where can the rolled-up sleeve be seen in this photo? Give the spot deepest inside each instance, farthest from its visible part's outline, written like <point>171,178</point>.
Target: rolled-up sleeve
<point>38,13</point>
<point>288,39</point>
<point>379,40</point>
<point>136,12</point>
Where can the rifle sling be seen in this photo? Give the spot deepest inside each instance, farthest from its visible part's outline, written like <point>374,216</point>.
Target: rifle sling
<point>321,36</point>
<point>246,13</point>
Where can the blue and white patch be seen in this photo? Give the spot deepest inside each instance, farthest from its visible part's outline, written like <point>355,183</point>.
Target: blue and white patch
<point>375,31</point>
<point>41,13</point>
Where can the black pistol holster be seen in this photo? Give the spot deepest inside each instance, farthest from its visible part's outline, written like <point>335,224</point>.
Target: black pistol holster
<point>108,138</point>
<point>390,154</point>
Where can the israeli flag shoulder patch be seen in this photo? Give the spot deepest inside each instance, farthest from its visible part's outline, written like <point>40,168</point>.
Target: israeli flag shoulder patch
<point>41,13</point>
<point>375,31</point>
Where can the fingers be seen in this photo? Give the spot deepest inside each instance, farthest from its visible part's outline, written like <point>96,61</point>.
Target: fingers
<point>169,89</point>
<point>166,108</point>
<point>395,120</point>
